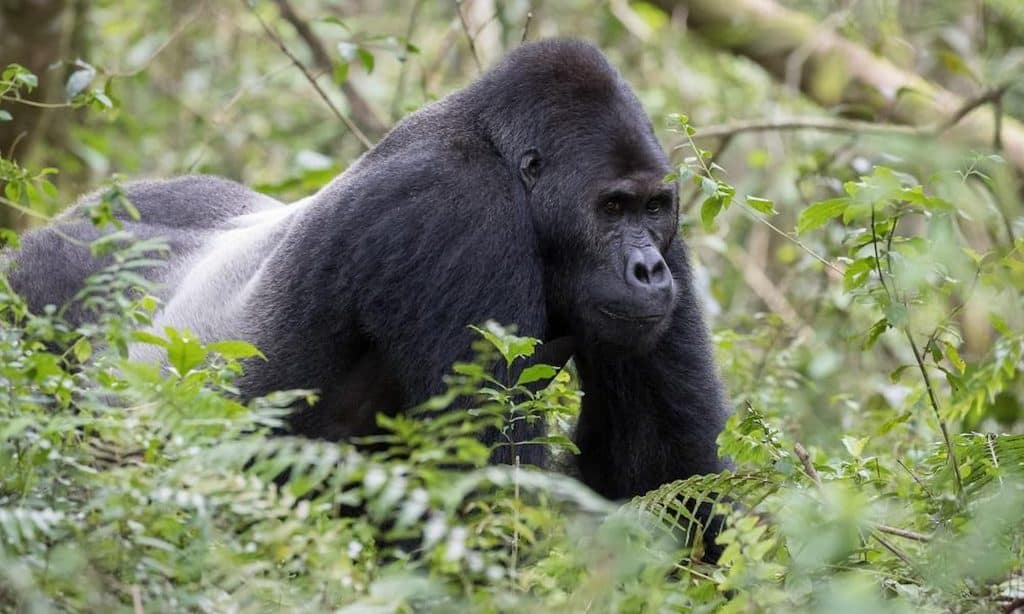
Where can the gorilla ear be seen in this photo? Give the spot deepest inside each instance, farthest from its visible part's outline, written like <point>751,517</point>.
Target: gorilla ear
<point>529,168</point>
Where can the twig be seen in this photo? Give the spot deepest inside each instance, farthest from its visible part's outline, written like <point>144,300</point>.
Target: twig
<point>354,129</point>
<point>14,144</point>
<point>361,109</point>
<point>403,74</point>
<point>178,30</point>
<point>992,95</point>
<point>825,124</point>
<point>137,599</point>
<point>1013,606</point>
<point>913,475</point>
<point>34,103</point>
<point>796,242</point>
<point>951,450</point>
<point>805,460</point>
<point>526,24</point>
<point>893,549</point>
<point>852,126</point>
<point>469,35</point>
<point>706,165</point>
<point>23,209</point>
<point>221,115</point>
<point>918,537</point>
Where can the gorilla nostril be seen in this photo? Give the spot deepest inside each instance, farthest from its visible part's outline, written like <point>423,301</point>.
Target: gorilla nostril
<point>641,274</point>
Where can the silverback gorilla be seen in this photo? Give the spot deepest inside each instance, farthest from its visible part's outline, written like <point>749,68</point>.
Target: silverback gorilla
<point>534,197</point>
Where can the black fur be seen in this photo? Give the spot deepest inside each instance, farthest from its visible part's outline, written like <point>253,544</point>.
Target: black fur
<point>533,197</point>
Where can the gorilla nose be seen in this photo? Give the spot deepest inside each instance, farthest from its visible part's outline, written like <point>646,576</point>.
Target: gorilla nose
<point>646,269</point>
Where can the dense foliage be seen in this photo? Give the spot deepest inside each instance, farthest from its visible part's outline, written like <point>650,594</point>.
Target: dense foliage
<point>865,290</point>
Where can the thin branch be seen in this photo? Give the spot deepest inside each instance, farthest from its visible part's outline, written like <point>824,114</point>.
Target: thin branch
<point>469,35</point>
<point>220,116</point>
<point>46,218</point>
<point>951,451</point>
<point>362,111</point>
<point>33,103</point>
<point>852,126</point>
<point>994,95</point>
<point>726,140</point>
<point>938,415</point>
<point>904,533</point>
<point>805,460</point>
<point>23,209</point>
<point>526,24</point>
<point>893,549</point>
<point>913,475</point>
<point>403,74</point>
<point>354,129</point>
<point>795,241</point>
<point>178,30</point>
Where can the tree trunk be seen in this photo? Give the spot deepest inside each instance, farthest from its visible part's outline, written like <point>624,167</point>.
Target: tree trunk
<point>32,33</point>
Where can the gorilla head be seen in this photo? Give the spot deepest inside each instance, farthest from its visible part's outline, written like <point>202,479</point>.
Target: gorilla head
<point>594,177</point>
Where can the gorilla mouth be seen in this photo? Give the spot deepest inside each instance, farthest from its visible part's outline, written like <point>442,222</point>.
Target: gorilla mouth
<point>639,319</point>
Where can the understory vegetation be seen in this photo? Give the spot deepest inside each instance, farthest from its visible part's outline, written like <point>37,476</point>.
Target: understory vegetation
<point>864,282</point>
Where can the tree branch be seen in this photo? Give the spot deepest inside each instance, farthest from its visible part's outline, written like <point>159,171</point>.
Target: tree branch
<point>851,126</point>
<point>362,111</point>
<point>354,129</point>
<point>770,34</point>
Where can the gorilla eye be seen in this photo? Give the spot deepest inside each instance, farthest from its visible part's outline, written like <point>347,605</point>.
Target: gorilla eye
<point>613,207</point>
<point>653,206</point>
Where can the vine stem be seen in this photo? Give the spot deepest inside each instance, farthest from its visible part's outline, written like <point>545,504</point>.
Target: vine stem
<point>950,450</point>
<point>938,415</point>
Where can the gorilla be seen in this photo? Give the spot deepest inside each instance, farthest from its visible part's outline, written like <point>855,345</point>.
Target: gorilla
<point>535,197</point>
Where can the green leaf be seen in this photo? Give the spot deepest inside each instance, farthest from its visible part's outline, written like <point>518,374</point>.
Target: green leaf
<point>79,80</point>
<point>536,373</point>
<point>858,272</point>
<point>101,101</point>
<point>235,350</point>
<point>954,358</point>
<point>709,210</point>
<point>147,337</point>
<point>508,345</point>
<point>855,445</point>
<point>818,214</point>
<point>184,351</point>
<point>560,441</point>
<point>340,73</point>
<point>708,186</point>
<point>875,332</point>
<point>9,238</point>
<point>896,313</point>
<point>27,79</point>
<point>366,57</point>
<point>82,350</point>
<point>761,205</point>
<point>334,21</point>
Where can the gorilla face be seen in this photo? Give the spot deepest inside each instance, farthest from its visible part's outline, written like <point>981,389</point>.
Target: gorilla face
<point>627,292</point>
<point>608,277</point>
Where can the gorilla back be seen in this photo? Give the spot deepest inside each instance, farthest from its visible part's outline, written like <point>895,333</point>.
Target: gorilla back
<point>534,197</point>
